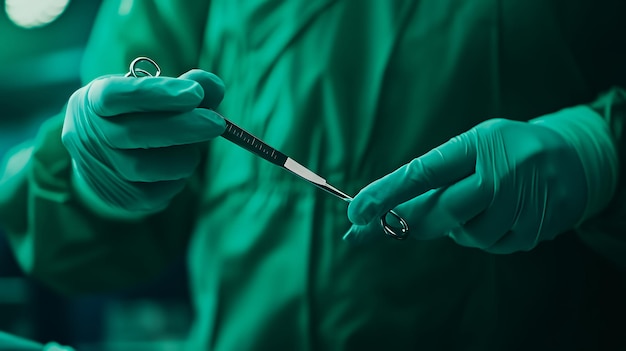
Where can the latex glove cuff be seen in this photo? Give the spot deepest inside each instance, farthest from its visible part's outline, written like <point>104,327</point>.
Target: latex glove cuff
<point>588,133</point>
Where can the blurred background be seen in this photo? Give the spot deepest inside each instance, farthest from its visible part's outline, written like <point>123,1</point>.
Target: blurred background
<point>42,42</point>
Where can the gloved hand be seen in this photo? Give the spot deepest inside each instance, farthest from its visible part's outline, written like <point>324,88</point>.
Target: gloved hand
<point>16,343</point>
<point>133,141</point>
<point>503,186</point>
<point>10,342</point>
<point>53,346</point>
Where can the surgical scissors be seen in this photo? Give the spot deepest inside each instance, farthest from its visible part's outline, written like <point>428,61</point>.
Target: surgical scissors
<point>256,146</point>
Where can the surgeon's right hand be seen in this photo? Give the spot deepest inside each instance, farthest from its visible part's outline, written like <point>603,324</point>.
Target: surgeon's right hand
<point>134,141</point>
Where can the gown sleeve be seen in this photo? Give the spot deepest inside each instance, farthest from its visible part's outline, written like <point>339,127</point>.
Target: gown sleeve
<point>605,233</point>
<point>56,239</point>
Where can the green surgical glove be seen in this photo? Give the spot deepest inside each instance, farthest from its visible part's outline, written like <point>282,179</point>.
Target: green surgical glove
<point>53,346</point>
<point>134,141</point>
<point>10,342</point>
<point>503,186</point>
<point>16,343</point>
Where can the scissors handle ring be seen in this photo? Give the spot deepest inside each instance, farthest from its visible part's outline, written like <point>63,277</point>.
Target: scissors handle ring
<point>137,72</point>
<point>396,233</point>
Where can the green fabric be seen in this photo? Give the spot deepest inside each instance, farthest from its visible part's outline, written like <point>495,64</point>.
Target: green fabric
<point>39,198</point>
<point>352,89</point>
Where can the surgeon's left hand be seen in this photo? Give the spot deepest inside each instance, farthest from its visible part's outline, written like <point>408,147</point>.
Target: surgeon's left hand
<point>503,186</point>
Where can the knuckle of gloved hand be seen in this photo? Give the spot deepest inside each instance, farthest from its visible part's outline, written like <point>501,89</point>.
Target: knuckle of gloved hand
<point>214,124</point>
<point>504,128</point>
<point>183,93</point>
<point>492,123</point>
<point>212,86</point>
<point>364,208</point>
<point>419,173</point>
<point>206,79</point>
<point>466,138</point>
<point>103,96</point>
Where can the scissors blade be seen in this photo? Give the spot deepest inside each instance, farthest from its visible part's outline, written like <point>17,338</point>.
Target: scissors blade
<point>244,139</point>
<point>308,175</point>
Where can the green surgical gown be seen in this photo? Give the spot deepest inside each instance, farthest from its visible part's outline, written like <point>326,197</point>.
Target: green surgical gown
<point>351,89</point>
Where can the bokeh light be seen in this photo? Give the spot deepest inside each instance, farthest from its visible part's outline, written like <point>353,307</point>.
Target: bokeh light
<point>34,13</point>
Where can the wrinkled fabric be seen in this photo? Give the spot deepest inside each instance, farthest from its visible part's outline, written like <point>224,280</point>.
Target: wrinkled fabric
<point>351,89</point>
